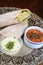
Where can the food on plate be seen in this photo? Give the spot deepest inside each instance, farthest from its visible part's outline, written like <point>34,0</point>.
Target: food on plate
<point>35,35</point>
<point>14,17</point>
<point>23,15</point>
<point>9,18</point>
<point>14,30</point>
<point>10,46</point>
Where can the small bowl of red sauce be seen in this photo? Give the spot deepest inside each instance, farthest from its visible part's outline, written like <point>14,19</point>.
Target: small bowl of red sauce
<point>34,34</point>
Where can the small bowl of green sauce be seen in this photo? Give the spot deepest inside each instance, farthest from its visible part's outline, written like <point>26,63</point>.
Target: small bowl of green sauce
<point>10,46</point>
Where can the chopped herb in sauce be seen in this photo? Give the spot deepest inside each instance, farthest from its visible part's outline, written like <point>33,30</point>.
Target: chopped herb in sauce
<point>10,45</point>
<point>37,36</point>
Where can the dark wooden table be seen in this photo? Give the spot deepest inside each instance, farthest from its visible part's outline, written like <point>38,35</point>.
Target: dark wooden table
<point>35,6</point>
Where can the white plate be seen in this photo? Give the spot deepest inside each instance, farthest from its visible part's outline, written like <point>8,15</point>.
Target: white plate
<point>15,49</point>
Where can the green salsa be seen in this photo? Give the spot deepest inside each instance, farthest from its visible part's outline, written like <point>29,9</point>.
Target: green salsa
<point>10,45</point>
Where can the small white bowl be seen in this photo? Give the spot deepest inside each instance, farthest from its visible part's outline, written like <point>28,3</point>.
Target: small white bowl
<point>29,42</point>
<point>15,49</point>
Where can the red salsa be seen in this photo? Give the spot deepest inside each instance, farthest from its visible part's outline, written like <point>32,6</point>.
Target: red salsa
<point>35,35</point>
